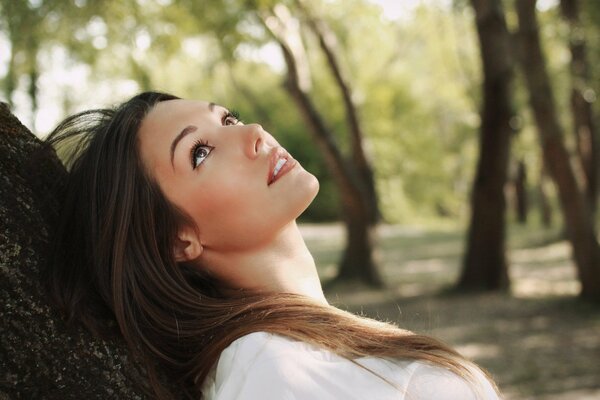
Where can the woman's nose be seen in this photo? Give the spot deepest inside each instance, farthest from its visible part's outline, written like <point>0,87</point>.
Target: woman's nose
<point>254,140</point>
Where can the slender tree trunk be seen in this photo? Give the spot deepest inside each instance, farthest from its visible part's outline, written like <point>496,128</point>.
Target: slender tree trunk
<point>575,207</point>
<point>521,193</point>
<point>33,83</point>
<point>358,260</point>
<point>583,118</point>
<point>484,266</point>
<point>545,208</point>
<point>328,44</point>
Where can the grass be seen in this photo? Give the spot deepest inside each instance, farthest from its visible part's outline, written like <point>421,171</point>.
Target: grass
<point>538,341</point>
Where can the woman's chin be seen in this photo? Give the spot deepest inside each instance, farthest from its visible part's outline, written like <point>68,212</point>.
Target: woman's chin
<point>310,188</point>
<point>309,191</point>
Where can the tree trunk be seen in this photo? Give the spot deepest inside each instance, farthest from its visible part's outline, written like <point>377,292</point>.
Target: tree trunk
<point>522,203</point>
<point>358,261</point>
<point>484,266</point>
<point>575,207</point>
<point>545,207</point>
<point>33,83</point>
<point>39,356</point>
<point>583,118</point>
<point>328,44</point>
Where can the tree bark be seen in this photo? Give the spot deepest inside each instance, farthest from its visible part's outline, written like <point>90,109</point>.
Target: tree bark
<point>358,261</point>
<point>39,357</point>
<point>484,265</point>
<point>583,118</point>
<point>328,44</point>
<point>575,208</point>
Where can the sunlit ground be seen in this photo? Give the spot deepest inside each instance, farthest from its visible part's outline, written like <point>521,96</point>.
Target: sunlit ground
<point>539,342</point>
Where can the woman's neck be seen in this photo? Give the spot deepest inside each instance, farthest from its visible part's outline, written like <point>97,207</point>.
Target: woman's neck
<point>284,265</point>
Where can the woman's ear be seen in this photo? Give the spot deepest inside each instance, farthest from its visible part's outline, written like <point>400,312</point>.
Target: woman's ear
<point>187,245</point>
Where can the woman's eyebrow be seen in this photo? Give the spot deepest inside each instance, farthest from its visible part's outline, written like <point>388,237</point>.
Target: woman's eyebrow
<point>185,131</point>
<point>212,106</point>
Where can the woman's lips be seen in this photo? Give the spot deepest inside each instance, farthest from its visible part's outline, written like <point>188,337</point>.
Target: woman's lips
<point>280,162</point>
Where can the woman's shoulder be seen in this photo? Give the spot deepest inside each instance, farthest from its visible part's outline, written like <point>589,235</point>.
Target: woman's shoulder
<point>249,346</point>
<point>261,341</point>
<point>257,345</point>
<point>258,365</point>
<point>429,381</point>
<point>289,367</point>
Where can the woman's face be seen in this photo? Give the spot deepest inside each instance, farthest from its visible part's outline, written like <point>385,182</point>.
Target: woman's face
<point>234,180</point>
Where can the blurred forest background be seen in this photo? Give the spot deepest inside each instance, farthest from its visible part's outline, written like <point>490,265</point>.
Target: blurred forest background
<point>456,143</point>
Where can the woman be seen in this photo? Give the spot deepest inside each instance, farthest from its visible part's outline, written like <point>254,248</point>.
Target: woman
<point>178,232</point>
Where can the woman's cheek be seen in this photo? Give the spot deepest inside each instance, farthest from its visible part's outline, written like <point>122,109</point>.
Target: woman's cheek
<point>225,216</point>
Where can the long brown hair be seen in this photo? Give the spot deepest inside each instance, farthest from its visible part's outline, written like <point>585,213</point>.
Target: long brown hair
<point>113,266</point>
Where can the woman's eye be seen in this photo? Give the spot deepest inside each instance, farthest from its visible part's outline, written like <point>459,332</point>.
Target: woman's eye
<point>231,118</point>
<point>230,121</point>
<point>199,153</point>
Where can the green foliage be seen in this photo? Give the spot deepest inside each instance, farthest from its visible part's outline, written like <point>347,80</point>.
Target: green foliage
<point>422,126</point>
<point>416,80</point>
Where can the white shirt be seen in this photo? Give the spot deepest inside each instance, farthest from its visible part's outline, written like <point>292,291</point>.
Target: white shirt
<point>265,366</point>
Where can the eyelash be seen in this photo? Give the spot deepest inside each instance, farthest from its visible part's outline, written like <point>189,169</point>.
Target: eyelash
<point>199,143</point>
<point>231,114</point>
<point>235,115</point>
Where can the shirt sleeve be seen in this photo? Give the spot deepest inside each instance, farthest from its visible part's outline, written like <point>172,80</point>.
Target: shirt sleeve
<point>430,382</point>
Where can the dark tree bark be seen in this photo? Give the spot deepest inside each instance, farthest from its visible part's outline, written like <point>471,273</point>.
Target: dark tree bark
<point>521,199</point>
<point>358,262</point>
<point>484,266</point>
<point>583,118</point>
<point>39,357</point>
<point>575,207</point>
